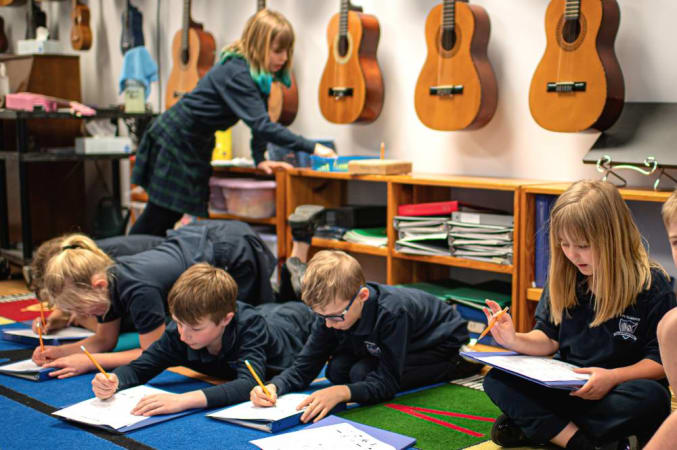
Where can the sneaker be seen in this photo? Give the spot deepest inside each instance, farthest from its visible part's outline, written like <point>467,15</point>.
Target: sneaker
<point>296,270</point>
<point>506,433</point>
<point>303,221</point>
<point>627,443</point>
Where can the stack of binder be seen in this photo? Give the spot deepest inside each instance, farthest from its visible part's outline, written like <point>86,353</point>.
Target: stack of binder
<point>481,236</point>
<point>421,235</point>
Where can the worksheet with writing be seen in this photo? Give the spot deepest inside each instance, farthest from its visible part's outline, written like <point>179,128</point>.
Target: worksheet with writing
<point>537,367</point>
<point>341,436</point>
<point>284,407</point>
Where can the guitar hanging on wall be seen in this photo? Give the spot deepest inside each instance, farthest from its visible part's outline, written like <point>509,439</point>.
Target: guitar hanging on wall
<point>351,88</point>
<point>81,34</point>
<point>283,101</point>
<point>457,88</point>
<point>193,52</point>
<point>132,28</point>
<point>578,83</point>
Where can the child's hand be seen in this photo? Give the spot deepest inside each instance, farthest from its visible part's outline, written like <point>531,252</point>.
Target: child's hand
<point>50,354</point>
<point>104,387</point>
<point>503,330</point>
<point>269,166</point>
<point>324,151</point>
<point>152,405</point>
<point>56,321</point>
<point>600,383</point>
<point>259,398</point>
<point>71,365</point>
<point>319,403</point>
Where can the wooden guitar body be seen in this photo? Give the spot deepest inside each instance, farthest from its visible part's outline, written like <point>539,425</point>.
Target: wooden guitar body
<point>456,88</point>
<point>283,102</point>
<point>185,74</point>
<point>81,34</point>
<point>351,88</point>
<point>596,100</point>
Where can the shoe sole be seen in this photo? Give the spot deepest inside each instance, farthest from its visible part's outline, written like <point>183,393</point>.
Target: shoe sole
<point>304,213</point>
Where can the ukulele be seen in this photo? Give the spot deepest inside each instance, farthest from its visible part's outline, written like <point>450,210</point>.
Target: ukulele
<point>578,84</point>
<point>283,101</point>
<point>351,88</point>
<point>193,52</point>
<point>81,34</point>
<point>456,88</point>
<point>132,28</point>
<point>35,17</point>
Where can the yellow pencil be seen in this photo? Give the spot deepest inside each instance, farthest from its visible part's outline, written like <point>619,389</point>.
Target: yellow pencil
<point>492,322</point>
<point>42,344</point>
<point>258,380</point>
<point>42,313</point>
<point>96,363</point>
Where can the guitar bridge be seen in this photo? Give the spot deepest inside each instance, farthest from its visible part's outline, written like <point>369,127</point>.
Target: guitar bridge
<point>567,86</point>
<point>340,92</point>
<point>179,94</point>
<point>446,90</point>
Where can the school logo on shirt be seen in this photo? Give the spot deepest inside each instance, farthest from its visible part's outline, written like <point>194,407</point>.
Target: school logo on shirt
<point>627,325</point>
<point>373,349</point>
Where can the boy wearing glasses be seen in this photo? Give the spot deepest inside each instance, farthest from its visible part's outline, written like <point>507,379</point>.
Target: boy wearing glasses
<point>379,339</point>
<point>214,334</point>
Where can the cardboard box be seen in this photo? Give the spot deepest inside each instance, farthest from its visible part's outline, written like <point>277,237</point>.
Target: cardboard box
<point>32,46</point>
<point>103,145</point>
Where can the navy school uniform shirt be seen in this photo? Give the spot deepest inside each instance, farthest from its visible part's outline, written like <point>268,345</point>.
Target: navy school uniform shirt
<point>268,336</point>
<point>394,322</point>
<point>618,342</point>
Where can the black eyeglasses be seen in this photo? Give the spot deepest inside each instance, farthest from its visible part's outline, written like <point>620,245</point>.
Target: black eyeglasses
<point>339,317</point>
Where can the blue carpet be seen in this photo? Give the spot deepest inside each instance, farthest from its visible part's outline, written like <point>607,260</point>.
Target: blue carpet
<point>24,428</point>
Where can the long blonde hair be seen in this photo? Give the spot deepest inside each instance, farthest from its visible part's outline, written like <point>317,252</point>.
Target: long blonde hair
<point>260,31</point>
<point>68,275</point>
<point>594,212</point>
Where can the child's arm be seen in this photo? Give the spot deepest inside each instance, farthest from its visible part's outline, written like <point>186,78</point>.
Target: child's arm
<point>603,380</point>
<point>103,340</point>
<point>534,342</point>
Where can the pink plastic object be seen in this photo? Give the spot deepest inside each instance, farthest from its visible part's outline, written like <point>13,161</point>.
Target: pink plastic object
<point>246,197</point>
<point>27,101</point>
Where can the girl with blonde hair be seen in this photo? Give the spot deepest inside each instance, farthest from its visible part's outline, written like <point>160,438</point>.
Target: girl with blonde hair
<point>173,158</point>
<point>599,311</point>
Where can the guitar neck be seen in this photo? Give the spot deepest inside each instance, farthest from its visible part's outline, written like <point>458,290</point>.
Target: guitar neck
<point>449,15</point>
<point>343,18</point>
<point>572,10</point>
<point>185,25</point>
<point>260,4</point>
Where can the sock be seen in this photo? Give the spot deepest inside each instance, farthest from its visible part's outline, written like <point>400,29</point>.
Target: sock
<point>580,441</point>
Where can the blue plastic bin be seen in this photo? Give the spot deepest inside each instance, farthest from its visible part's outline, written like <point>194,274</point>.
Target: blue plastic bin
<point>338,164</point>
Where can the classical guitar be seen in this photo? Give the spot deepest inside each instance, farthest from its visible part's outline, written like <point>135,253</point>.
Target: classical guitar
<point>35,17</point>
<point>351,88</point>
<point>81,34</point>
<point>283,101</point>
<point>456,88</point>
<point>578,84</point>
<point>193,52</point>
<point>132,28</point>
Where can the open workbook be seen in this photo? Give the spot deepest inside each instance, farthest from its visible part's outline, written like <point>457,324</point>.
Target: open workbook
<point>26,369</point>
<point>538,369</point>
<point>282,415</point>
<point>115,414</point>
<point>64,335</point>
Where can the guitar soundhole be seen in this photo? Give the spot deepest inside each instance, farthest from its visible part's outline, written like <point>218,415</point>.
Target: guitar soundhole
<point>571,31</point>
<point>343,45</point>
<point>448,39</point>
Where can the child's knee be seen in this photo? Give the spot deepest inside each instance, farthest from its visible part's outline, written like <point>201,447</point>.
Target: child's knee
<point>667,328</point>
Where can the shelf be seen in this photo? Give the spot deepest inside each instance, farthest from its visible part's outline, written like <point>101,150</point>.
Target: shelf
<point>13,256</point>
<point>457,262</point>
<point>632,194</point>
<point>350,247</point>
<point>56,157</point>
<point>227,216</point>
<point>100,114</point>
<point>309,173</point>
<point>534,294</point>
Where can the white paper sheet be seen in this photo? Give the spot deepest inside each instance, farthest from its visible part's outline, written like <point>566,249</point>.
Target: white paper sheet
<point>538,367</point>
<point>114,412</point>
<point>64,333</point>
<point>285,407</point>
<point>341,436</point>
<point>25,366</point>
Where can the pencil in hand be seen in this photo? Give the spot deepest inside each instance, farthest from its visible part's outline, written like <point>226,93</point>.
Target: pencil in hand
<point>42,344</point>
<point>258,380</point>
<point>94,361</point>
<point>492,322</point>
<point>42,313</point>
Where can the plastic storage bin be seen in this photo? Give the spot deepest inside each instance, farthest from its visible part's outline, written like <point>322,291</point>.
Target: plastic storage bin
<point>338,164</point>
<point>244,197</point>
<point>296,159</point>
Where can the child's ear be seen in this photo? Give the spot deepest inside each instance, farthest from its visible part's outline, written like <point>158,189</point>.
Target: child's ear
<point>363,296</point>
<point>99,281</point>
<point>226,320</point>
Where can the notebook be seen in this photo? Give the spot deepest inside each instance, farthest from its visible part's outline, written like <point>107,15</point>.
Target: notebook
<point>340,436</point>
<point>279,417</point>
<point>114,414</point>
<point>398,441</point>
<point>538,369</point>
<point>27,336</point>
<point>27,369</point>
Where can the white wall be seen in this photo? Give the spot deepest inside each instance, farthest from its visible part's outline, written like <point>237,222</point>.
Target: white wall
<point>511,145</point>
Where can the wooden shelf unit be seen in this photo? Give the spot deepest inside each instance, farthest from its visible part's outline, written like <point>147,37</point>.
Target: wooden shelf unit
<point>527,296</point>
<point>330,189</point>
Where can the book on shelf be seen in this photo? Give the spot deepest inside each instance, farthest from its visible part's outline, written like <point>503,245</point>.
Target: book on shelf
<point>414,231</point>
<point>404,222</point>
<point>425,244</point>
<point>542,204</point>
<point>505,237</point>
<point>428,209</point>
<point>459,227</point>
<point>375,237</point>
<point>64,335</point>
<point>115,414</point>
<point>541,370</point>
<point>481,218</point>
<point>276,418</point>
<point>460,242</point>
<point>27,369</point>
